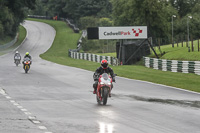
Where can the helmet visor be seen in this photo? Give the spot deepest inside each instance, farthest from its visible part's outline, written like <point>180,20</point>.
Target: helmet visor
<point>104,65</point>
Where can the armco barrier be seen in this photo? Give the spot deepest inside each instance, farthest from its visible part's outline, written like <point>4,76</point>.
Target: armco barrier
<point>73,26</point>
<point>7,45</point>
<point>173,65</point>
<point>93,57</point>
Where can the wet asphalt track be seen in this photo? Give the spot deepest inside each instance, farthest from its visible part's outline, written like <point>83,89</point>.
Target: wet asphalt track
<point>53,98</point>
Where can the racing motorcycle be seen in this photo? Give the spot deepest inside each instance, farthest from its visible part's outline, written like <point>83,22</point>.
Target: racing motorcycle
<point>103,88</point>
<point>27,63</point>
<point>17,60</point>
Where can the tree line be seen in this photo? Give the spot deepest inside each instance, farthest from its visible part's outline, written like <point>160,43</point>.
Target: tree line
<point>12,13</point>
<point>155,14</point>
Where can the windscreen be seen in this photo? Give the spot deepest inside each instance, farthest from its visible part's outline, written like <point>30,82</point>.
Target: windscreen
<point>26,59</point>
<point>105,76</point>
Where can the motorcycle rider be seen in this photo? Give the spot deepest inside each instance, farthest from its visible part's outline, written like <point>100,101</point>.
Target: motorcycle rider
<point>104,68</point>
<point>17,54</point>
<point>27,55</point>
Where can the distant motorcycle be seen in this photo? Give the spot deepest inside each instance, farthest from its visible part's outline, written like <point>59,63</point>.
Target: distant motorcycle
<point>103,88</point>
<point>27,63</point>
<point>17,60</point>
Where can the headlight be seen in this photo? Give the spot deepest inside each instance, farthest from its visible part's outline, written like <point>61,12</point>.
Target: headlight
<point>102,83</point>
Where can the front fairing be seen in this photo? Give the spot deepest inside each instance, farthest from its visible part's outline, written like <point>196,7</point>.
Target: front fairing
<point>27,61</point>
<point>17,57</point>
<point>104,81</point>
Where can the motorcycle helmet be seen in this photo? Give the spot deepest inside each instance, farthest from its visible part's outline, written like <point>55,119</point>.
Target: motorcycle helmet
<point>17,52</point>
<point>27,53</point>
<point>104,64</point>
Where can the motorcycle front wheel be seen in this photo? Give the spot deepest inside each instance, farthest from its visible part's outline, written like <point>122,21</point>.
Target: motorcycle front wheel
<point>17,63</point>
<point>105,96</point>
<point>26,68</point>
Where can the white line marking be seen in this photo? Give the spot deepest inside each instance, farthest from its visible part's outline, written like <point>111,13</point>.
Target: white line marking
<point>20,107</point>
<point>24,110</point>
<point>162,85</point>
<point>8,97</point>
<point>36,122</point>
<point>27,113</point>
<point>42,127</point>
<point>2,92</point>
<point>12,101</point>
<point>16,104</point>
<point>32,117</point>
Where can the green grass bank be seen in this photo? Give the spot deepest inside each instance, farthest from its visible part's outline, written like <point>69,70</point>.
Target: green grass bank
<point>180,53</point>
<point>176,53</point>
<point>66,39</point>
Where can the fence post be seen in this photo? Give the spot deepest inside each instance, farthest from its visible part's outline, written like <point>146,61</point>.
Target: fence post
<point>158,40</point>
<point>186,41</point>
<point>182,40</point>
<point>192,45</point>
<point>177,41</point>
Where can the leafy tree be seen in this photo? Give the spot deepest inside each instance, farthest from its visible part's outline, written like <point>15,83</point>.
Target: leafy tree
<point>183,6</point>
<point>195,28</point>
<point>12,13</point>
<point>55,7</point>
<point>90,21</point>
<point>40,8</point>
<point>87,21</point>
<point>180,25</point>
<point>1,29</point>
<point>7,21</point>
<point>122,16</point>
<point>81,8</point>
<point>152,13</point>
<point>105,22</point>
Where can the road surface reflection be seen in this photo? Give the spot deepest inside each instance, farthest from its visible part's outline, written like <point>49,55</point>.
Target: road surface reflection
<point>105,128</point>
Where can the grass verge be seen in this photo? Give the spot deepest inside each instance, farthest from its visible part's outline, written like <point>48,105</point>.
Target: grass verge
<point>66,39</point>
<point>179,52</point>
<point>6,40</point>
<point>107,54</point>
<point>176,53</point>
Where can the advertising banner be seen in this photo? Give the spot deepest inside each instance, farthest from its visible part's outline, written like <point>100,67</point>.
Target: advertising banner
<point>132,32</point>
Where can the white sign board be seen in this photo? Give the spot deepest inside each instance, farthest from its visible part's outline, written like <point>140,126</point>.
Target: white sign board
<point>132,32</point>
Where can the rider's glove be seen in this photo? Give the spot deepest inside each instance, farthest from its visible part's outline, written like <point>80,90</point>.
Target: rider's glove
<point>113,79</point>
<point>95,77</point>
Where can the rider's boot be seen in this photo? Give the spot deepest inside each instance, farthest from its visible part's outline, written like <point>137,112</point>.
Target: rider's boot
<point>110,91</point>
<point>94,92</point>
<point>95,88</point>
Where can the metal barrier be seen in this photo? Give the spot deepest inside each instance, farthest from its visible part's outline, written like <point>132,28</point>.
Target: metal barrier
<point>73,26</point>
<point>7,45</point>
<point>173,65</point>
<point>93,57</point>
